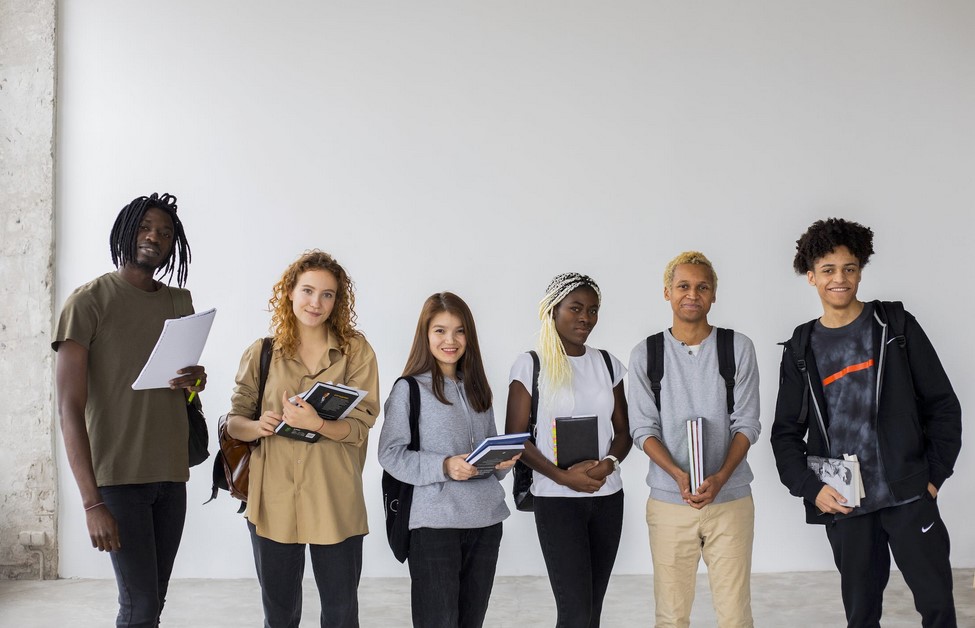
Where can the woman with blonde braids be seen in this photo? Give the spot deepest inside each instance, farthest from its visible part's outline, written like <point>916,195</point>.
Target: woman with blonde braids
<point>579,510</point>
<point>304,493</point>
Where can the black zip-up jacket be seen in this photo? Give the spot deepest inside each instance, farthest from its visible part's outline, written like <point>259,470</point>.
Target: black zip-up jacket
<point>918,416</point>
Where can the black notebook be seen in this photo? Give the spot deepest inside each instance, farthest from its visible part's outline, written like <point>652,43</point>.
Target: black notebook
<point>576,439</point>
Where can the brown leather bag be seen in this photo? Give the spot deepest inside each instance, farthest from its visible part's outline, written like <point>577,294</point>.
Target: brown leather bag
<point>231,466</point>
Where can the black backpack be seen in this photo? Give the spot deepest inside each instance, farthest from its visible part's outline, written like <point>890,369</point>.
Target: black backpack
<point>397,495</point>
<point>522,484</point>
<point>726,364</point>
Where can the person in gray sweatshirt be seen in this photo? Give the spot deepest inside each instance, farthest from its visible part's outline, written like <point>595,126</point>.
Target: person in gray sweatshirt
<point>715,519</point>
<point>456,515</point>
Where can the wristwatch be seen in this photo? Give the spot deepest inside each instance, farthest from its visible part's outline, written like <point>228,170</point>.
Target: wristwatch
<point>616,461</point>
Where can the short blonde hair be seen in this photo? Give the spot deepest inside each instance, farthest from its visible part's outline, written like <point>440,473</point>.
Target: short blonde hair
<point>689,257</point>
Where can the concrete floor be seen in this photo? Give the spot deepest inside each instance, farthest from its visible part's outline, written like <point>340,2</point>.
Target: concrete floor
<point>793,600</point>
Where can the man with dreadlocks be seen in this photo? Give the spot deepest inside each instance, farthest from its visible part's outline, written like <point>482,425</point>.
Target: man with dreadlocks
<point>676,376</point>
<point>128,448</point>
<point>864,379</point>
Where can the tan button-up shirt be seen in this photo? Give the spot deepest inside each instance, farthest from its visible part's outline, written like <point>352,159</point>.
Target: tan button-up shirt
<point>309,492</point>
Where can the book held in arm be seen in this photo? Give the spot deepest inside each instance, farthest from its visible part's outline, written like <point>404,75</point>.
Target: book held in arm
<point>494,450</point>
<point>331,401</point>
<point>576,438</point>
<point>695,452</point>
<point>843,474</point>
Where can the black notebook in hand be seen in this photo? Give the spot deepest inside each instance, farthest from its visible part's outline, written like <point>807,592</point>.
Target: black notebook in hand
<point>576,439</point>
<point>331,401</point>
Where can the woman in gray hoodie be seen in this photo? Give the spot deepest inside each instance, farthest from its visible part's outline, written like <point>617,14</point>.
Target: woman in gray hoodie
<point>455,521</point>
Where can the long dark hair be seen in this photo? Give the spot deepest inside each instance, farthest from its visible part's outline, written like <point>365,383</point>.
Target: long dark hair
<point>471,367</point>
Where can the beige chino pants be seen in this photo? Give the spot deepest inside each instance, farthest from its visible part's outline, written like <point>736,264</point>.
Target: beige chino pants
<point>679,537</point>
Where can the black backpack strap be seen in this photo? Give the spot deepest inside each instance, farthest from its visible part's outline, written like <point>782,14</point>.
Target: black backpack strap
<point>533,414</point>
<point>266,346</point>
<point>892,313</point>
<point>726,363</point>
<point>414,413</point>
<point>655,364</point>
<point>609,363</point>
<point>799,344</point>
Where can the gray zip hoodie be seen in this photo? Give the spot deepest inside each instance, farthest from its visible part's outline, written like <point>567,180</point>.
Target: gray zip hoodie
<point>445,430</point>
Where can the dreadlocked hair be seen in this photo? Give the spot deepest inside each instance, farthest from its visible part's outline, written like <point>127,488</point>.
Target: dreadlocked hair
<point>123,240</point>
<point>284,323</point>
<point>824,236</point>
<point>551,352</point>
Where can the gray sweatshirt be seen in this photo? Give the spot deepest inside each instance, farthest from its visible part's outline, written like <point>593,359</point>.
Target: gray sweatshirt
<point>693,387</point>
<point>438,501</point>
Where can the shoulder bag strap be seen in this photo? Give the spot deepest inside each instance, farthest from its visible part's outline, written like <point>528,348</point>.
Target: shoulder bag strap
<point>726,363</point>
<point>655,365</point>
<point>533,414</point>
<point>266,346</point>
<point>414,413</point>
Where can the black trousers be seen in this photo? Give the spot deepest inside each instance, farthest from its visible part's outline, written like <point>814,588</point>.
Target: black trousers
<point>280,567</point>
<point>150,523</point>
<point>452,574</point>
<point>579,537</point>
<point>918,539</point>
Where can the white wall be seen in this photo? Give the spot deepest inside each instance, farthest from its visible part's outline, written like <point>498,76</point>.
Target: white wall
<point>484,147</point>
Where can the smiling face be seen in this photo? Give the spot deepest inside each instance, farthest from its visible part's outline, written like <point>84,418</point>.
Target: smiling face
<point>836,277</point>
<point>313,297</point>
<point>575,317</point>
<point>154,241</point>
<point>691,293</point>
<point>448,341</point>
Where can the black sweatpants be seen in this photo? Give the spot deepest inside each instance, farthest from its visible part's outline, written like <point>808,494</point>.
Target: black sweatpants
<point>918,539</point>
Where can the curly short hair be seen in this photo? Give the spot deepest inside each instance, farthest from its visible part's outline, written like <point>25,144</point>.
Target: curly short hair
<point>824,236</point>
<point>284,323</point>
<point>689,257</point>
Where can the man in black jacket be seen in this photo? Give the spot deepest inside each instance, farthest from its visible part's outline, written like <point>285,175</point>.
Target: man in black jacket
<point>846,386</point>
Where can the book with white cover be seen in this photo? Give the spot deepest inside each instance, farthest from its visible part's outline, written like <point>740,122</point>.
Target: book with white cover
<point>840,473</point>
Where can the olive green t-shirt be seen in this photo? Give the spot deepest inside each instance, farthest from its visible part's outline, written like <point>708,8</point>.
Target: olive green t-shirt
<point>137,436</point>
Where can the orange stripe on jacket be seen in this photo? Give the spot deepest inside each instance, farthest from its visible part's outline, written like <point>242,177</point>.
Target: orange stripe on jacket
<point>853,368</point>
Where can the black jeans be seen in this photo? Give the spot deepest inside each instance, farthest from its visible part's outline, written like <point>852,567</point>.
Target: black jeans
<point>280,567</point>
<point>452,572</point>
<point>918,539</point>
<point>150,522</point>
<point>579,538</point>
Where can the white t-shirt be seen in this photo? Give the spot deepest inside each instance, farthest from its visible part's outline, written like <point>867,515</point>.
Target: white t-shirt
<point>592,393</point>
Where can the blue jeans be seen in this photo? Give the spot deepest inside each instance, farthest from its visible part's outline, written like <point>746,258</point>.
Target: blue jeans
<point>280,567</point>
<point>579,537</point>
<point>150,523</point>
<point>452,573</point>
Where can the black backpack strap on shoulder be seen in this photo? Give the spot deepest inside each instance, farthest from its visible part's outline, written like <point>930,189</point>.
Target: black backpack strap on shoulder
<point>266,346</point>
<point>414,413</point>
<point>799,345</point>
<point>892,313</point>
<point>655,364</point>
<point>609,364</point>
<point>726,363</point>
<point>533,413</point>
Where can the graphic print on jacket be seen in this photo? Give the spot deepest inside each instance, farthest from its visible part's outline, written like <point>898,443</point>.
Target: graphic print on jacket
<point>846,362</point>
